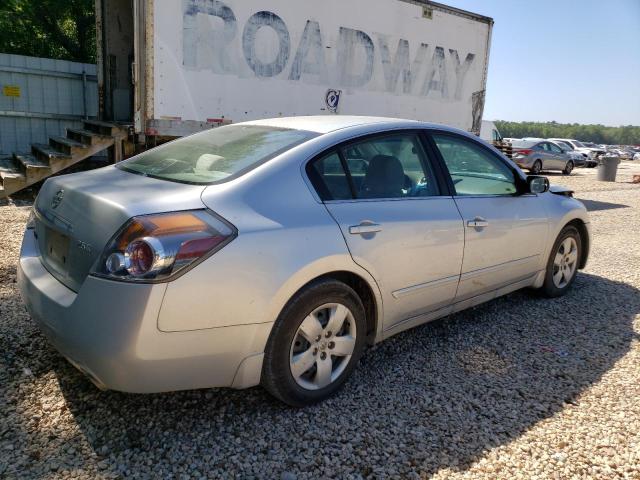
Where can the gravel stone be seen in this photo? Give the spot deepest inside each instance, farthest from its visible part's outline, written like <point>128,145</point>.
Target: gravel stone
<point>521,387</point>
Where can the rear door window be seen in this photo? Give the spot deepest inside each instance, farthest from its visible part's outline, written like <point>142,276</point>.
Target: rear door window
<point>329,178</point>
<point>391,166</point>
<point>384,167</point>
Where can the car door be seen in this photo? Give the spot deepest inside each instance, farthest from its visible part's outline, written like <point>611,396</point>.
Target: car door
<point>398,222</point>
<point>505,230</point>
<point>559,158</point>
<point>546,155</point>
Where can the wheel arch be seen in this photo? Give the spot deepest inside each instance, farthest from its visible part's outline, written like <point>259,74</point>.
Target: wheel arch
<point>584,237</point>
<point>364,286</point>
<point>366,294</point>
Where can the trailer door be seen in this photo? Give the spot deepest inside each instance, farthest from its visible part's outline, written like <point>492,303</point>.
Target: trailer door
<point>115,38</point>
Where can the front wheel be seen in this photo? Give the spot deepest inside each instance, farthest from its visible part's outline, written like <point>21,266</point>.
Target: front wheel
<point>315,344</point>
<point>536,168</point>
<point>568,168</point>
<point>563,263</point>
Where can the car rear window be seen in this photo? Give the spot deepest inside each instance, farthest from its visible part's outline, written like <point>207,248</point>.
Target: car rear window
<point>217,155</point>
<point>522,143</point>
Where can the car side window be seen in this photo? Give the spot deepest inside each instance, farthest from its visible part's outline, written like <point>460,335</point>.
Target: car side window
<point>473,169</point>
<point>390,166</point>
<point>555,148</point>
<point>329,178</point>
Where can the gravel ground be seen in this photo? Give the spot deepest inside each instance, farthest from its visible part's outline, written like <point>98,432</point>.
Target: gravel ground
<point>521,387</point>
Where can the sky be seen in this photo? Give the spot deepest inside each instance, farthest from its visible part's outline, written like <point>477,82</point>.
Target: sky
<point>569,61</point>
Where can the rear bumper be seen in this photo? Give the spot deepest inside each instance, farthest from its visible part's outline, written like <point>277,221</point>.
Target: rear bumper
<point>109,330</point>
<point>523,162</point>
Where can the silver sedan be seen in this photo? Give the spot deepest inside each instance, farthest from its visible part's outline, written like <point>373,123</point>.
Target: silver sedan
<point>537,156</point>
<point>273,252</point>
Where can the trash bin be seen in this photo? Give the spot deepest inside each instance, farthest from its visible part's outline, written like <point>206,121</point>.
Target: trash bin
<point>607,168</point>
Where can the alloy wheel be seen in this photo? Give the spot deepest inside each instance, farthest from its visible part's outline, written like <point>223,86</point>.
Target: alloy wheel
<point>565,262</point>
<point>568,168</point>
<point>537,167</point>
<point>322,346</point>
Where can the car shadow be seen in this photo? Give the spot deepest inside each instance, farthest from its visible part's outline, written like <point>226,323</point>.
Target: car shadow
<point>595,206</point>
<point>438,396</point>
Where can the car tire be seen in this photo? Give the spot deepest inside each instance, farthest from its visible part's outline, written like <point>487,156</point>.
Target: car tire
<point>561,272</point>
<point>536,168</point>
<point>290,344</point>
<point>568,168</point>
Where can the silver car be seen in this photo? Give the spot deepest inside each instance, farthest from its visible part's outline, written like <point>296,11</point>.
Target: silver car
<point>273,252</point>
<point>539,155</point>
<point>579,159</point>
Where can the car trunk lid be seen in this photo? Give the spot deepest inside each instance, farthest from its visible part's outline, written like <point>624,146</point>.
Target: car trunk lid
<point>76,215</point>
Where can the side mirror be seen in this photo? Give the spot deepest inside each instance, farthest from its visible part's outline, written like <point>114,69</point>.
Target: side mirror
<point>537,184</point>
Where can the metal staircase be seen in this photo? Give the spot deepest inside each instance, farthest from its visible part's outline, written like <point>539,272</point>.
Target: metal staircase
<point>22,170</point>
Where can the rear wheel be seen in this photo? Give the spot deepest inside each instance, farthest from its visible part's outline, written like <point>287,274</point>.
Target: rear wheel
<point>315,344</point>
<point>563,263</point>
<point>536,168</point>
<point>568,168</point>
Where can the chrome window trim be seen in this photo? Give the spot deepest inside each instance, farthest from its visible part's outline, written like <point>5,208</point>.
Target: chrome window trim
<point>496,195</point>
<point>390,199</point>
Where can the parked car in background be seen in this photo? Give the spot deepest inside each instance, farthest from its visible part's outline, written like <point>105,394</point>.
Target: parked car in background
<point>272,252</point>
<point>578,158</point>
<point>537,155</point>
<point>626,153</point>
<point>591,154</point>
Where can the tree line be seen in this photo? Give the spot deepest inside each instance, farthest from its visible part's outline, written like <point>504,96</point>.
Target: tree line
<point>625,135</point>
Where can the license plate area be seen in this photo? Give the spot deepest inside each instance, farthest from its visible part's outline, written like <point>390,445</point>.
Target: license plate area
<point>57,249</point>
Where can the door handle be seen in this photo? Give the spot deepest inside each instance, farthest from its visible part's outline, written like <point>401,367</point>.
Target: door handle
<point>364,228</point>
<point>477,222</point>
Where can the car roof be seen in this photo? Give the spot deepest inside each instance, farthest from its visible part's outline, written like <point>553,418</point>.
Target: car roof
<point>323,124</point>
<point>525,143</point>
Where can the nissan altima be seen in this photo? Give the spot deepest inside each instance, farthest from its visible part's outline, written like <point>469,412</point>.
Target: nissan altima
<point>273,252</point>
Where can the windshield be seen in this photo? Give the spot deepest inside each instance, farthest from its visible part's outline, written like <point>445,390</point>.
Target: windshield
<point>578,144</point>
<point>565,145</point>
<point>216,155</point>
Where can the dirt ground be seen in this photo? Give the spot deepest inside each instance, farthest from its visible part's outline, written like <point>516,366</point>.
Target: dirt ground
<point>521,387</point>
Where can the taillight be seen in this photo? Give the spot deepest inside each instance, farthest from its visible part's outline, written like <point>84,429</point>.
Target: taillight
<point>524,152</point>
<point>161,246</point>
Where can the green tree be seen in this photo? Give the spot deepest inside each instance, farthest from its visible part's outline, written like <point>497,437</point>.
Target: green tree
<point>60,29</point>
<point>625,135</point>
